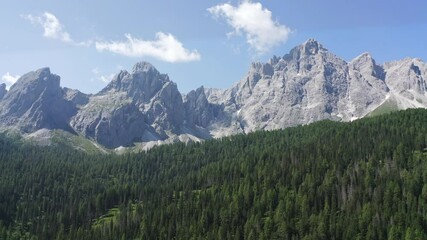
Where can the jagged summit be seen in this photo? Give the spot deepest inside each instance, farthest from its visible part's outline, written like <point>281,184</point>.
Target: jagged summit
<point>143,67</point>
<point>311,47</point>
<point>144,106</point>
<point>362,59</point>
<point>311,41</point>
<point>41,76</point>
<point>43,71</point>
<point>35,82</point>
<point>36,101</point>
<point>366,64</point>
<point>364,55</point>
<point>144,79</point>
<point>139,106</point>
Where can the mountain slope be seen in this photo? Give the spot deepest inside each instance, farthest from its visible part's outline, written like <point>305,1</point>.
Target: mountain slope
<point>365,179</point>
<point>140,106</point>
<point>3,90</point>
<point>310,84</point>
<point>36,101</point>
<point>144,107</point>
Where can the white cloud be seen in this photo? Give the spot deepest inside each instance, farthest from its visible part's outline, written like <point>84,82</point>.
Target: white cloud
<point>262,32</point>
<point>103,78</point>
<point>9,79</point>
<point>165,47</point>
<point>53,28</point>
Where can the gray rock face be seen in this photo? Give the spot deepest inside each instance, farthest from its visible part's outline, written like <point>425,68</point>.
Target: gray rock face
<point>304,86</point>
<point>138,106</point>
<point>76,97</point>
<point>407,81</point>
<point>144,106</point>
<point>119,126</point>
<point>3,90</point>
<point>199,111</point>
<point>165,111</point>
<point>311,84</point>
<point>142,84</point>
<point>36,101</point>
<point>367,88</point>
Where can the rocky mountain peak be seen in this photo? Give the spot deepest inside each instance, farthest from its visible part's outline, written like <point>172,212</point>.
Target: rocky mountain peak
<point>364,57</point>
<point>36,101</point>
<point>41,77</point>
<point>309,53</point>
<point>116,83</point>
<point>144,81</point>
<point>45,71</point>
<point>146,73</point>
<point>312,47</point>
<point>144,67</point>
<point>144,106</point>
<point>35,83</point>
<point>199,111</point>
<point>407,76</point>
<point>365,64</point>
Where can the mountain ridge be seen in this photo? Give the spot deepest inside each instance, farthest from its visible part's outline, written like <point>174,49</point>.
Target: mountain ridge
<point>144,107</point>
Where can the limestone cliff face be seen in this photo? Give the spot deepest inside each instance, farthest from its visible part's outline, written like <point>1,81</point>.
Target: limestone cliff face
<point>310,84</point>
<point>306,85</point>
<point>36,101</point>
<point>199,111</point>
<point>137,106</point>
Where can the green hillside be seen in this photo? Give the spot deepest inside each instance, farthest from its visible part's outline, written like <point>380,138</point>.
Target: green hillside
<point>361,180</point>
<point>390,105</point>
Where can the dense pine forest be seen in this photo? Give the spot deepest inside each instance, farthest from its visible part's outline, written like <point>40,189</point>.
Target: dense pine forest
<point>328,180</point>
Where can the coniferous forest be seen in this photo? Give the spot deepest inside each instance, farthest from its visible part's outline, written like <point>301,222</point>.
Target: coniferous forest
<point>361,180</point>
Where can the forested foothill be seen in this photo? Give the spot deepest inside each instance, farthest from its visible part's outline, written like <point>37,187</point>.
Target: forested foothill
<point>329,180</point>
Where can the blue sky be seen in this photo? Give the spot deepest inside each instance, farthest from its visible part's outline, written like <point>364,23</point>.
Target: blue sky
<point>210,43</point>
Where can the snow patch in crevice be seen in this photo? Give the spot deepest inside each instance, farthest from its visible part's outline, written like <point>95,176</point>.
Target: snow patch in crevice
<point>353,119</point>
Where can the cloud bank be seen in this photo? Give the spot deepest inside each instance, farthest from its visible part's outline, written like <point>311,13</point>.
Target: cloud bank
<point>165,47</point>
<point>255,22</point>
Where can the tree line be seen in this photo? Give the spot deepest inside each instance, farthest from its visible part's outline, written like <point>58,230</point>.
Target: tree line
<point>329,180</point>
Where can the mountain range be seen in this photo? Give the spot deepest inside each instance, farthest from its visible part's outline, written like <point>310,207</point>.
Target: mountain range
<point>144,108</point>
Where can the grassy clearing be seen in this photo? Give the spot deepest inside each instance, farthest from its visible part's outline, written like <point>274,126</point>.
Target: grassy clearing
<point>388,106</point>
<point>111,217</point>
<point>76,141</point>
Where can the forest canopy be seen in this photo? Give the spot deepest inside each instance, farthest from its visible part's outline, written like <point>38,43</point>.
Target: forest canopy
<point>329,180</point>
